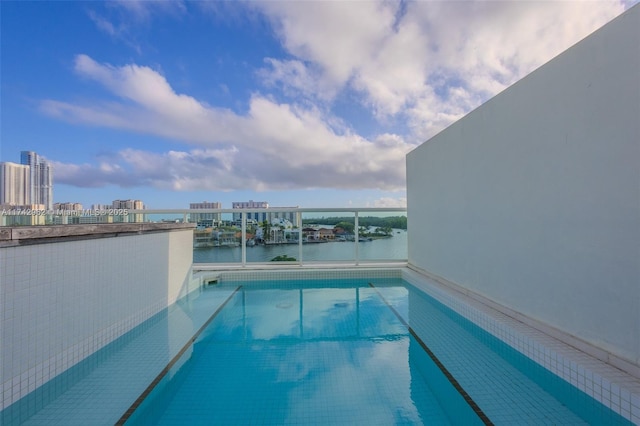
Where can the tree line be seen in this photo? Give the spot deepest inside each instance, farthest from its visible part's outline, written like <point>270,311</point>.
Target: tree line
<point>397,222</point>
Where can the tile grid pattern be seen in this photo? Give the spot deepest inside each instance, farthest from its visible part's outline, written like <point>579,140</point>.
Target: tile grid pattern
<point>307,274</point>
<point>616,390</point>
<point>325,383</point>
<point>103,390</point>
<point>613,388</point>
<point>62,302</point>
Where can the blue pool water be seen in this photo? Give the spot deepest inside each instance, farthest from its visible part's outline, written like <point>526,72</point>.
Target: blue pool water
<point>352,352</point>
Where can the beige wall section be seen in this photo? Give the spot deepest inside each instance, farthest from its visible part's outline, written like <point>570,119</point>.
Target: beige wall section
<point>67,291</point>
<point>180,259</point>
<point>533,199</point>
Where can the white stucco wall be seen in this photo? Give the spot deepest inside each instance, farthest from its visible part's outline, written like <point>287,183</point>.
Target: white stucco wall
<point>533,199</point>
<point>179,260</point>
<point>63,301</point>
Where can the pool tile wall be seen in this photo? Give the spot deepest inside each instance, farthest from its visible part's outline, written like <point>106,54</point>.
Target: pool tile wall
<point>62,301</point>
<point>305,274</point>
<point>612,387</point>
<point>616,390</point>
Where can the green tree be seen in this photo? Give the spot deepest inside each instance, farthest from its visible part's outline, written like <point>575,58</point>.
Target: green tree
<point>347,226</point>
<point>283,258</point>
<point>398,222</point>
<point>266,230</point>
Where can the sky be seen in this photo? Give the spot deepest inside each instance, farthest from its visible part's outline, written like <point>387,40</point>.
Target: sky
<point>309,104</point>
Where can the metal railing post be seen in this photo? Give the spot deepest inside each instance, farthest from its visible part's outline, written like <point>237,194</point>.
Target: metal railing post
<point>244,239</point>
<point>299,221</point>
<point>357,237</point>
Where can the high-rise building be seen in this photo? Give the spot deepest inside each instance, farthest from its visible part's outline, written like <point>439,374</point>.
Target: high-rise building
<point>15,182</point>
<point>67,206</point>
<point>41,178</point>
<point>250,205</point>
<point>273,214</point>
<point>128,205</point>
<point>205,219</point>
<point>257,216</point>
<point>67,213</point>
<point>286,215</point>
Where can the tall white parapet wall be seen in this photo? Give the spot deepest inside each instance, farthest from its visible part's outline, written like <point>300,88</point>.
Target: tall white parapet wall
<point>67,291</point>
<point>533,199</point>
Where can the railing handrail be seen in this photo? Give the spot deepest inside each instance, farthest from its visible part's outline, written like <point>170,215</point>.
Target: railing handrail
<point>198,215</point>
<point>273,209</point>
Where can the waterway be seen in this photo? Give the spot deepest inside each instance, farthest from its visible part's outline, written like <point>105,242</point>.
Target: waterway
<point>391,248</point>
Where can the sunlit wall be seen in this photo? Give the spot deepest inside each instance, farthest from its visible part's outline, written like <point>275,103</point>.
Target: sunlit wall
<point>62,301</point>
<point>533,199</point>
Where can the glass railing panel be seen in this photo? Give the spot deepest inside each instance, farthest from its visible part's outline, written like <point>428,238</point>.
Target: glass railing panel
<point>26,217</point>
<point>156,217</point>
<point>15,217</point>
<point>382,236</point>
<point>217,237</point>
<point>328,236</point>
<point>273,236</point>
<point>291,235</point>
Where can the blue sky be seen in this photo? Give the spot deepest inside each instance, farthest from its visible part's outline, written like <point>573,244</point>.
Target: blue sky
<point>310,104</point>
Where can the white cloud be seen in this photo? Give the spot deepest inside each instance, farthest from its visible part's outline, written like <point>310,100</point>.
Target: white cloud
<point>296,78</point>
<point>273,146</point>
<point>425,64</point>
<point>143,10</point>
<point>338,36</point>
<point>390,202</point>
<point>103,24</point>
<point>125,20</point>
<point>430,62</point>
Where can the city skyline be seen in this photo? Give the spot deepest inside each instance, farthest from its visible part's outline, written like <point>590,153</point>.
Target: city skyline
<point>28,183</point>
<point>40,184</point>
<point>306,104</point>
<point>15,184</point>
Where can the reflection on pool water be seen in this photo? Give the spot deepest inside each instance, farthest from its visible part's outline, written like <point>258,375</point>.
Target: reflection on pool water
<point>359,351</point>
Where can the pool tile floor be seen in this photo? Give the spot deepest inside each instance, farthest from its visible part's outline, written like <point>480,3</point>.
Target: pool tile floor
<point>108,391</point>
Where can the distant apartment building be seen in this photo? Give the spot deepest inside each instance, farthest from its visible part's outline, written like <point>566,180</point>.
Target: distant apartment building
<point>15,197</point>
<point>91,219</point>
<point>72,213</point>
<point>67,206</point>
<point>127,204</point>
<point>117,205</point>
<point>67,213</point>
<point>272,215</point>
<point>15,180</point>
<point>205,219</point>
<point>257,216</point>
<point>250,205</point>
<point>20,215</point>
<point>278,214</point>
<point>40,178</point>
<point>205,205</point>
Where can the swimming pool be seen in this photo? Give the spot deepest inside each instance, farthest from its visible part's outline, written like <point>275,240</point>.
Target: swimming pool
<point>355,352</point>
<point>372,349</point>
